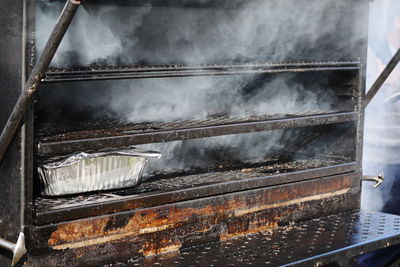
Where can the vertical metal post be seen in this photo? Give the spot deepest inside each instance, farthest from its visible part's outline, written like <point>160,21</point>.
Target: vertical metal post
<point>25,99</point>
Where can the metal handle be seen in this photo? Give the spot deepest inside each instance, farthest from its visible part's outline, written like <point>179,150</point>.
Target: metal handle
<point>17,249</point>
<point>378,179</point>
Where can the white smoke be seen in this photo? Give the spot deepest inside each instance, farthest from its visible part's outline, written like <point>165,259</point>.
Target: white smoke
<point>193,32</point>
<point>170,99</point>
<point>204,32</point>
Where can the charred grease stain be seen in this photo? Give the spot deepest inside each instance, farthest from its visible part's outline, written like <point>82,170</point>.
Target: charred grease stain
<point>159,230</point>
<point>117,222</point>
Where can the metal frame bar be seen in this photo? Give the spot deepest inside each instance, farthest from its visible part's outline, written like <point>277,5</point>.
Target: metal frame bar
<point>27,128</point>
<point>71,146</point>
<point>165,71</point>
<point>364,13</point>
<point>38,72</point>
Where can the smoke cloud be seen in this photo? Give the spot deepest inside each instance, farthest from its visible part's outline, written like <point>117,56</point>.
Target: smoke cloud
<point>232,151</point>
<point>201,32</point>
<point>139,33</point>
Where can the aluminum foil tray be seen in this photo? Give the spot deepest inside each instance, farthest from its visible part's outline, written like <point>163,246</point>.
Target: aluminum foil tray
<point>85,172</point>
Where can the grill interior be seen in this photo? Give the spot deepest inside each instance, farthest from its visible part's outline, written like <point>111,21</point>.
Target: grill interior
<point>208,166</point>
<point>227,113</point>
<point>88,110</point>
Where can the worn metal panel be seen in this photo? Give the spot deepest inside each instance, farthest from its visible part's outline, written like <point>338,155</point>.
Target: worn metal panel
<point>135,201</point>
<point>335,238</point>
<point>11,32</point>
<point>11,69</point>
<point>168,228</point>
<point>165,228</point>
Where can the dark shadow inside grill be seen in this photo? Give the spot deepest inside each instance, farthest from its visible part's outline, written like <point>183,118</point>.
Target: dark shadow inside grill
<point>251,150</point>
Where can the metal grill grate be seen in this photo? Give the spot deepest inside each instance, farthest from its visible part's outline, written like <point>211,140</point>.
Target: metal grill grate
<point>176,70</point>
<point>176,182</point>
<point>75,128</point>
<point>86,140</point>
<point>315,242</point>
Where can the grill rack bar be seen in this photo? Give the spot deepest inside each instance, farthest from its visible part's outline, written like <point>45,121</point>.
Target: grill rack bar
<point>163,71</point>
<point>64,147</point>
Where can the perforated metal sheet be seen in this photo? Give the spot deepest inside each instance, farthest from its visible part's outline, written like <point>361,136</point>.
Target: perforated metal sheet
<point>310,243</point>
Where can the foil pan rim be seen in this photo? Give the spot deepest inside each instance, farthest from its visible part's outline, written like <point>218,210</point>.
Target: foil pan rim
<point>75,158</point>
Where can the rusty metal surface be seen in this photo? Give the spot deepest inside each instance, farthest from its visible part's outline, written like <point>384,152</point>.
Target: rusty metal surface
<point>62,147</point>
<point>188,233</point>
<point>190,226</point>
<point>311,243</point>
<point>157,71</point>
<point>159,229</point>
<point>164,191</point>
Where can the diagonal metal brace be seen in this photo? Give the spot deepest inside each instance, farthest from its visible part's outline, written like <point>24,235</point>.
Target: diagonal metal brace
<point>38,72</point>
<point>18,249</point>
<point>382,78</point>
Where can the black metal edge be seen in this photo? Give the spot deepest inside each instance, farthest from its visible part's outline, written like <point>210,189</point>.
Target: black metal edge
<point>74,76</point>
<point>175,67</point>
<point>11,183</point>
<point>362,84</point>
<point>71,146</point>
<point>347,252</point>
<point>27,128</point>
<point>159,198</point>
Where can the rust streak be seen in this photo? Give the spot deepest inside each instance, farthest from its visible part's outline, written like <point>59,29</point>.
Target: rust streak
<point>291,202</point>
<point>252,230</point>
<point>150,249</point>
<point>94,231</point>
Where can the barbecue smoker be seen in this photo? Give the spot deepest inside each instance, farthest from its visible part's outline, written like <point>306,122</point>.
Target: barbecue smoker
<point>256,108</point>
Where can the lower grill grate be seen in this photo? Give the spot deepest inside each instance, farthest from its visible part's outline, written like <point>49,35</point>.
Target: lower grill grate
<point>175,182</point>
<point>309,243</point>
